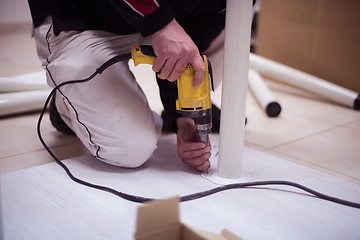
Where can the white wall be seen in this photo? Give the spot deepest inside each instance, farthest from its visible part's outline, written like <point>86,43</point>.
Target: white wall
<point>14,12</point>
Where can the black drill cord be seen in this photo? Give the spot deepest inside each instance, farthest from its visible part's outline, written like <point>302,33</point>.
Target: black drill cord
<point>185,198</point>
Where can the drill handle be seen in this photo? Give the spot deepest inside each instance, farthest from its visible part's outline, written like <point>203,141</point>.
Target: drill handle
<point>143,54</point>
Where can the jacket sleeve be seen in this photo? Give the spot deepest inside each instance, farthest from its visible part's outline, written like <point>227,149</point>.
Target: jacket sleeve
<point>147,16</point>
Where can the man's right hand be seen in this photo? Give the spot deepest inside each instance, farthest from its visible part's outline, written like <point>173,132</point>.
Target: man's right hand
<point>175,50</point>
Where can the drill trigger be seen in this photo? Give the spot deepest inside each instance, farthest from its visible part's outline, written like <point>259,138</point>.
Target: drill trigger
<point>147,50</point>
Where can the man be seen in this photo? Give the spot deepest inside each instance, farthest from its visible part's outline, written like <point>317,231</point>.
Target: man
<point>110,113</point>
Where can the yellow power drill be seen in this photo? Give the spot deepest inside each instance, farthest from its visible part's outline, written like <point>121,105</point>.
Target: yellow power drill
<point>192,102</point>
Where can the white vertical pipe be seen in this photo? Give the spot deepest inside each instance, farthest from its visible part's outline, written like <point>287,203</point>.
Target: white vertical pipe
<point>1,217</point>
<point>234,88</point>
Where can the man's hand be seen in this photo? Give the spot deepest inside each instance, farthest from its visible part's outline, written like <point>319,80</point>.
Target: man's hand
<point>175,50</point>
<point>195,154</point>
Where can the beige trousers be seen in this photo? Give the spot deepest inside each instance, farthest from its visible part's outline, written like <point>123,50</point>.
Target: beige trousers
<point>110,113</point>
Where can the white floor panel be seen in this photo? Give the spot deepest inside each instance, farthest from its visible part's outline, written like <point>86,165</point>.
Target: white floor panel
<point>44,203</point>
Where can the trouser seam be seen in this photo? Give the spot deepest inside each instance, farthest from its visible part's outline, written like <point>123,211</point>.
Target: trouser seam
<point>67,99</point>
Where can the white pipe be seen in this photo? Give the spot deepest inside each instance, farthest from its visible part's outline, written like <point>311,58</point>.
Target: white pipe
<point>18,102</point>
<point>234,88</point>
<point>263,94</point>
<point>305,81</point>
<point>1,217</point>
<point>25,82</point>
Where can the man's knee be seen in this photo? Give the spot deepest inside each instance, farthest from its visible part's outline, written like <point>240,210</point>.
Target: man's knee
<point>131,153</point>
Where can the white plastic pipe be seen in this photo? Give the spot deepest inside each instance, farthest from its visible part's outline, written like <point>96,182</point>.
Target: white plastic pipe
<point>25,82</point>
<point>234,88</point>
<point>18,102</point>
<point>1,216</point>
<point>263,95</point>
<point>305,81</point>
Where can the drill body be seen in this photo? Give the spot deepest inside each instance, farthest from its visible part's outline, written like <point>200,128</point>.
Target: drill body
<point>192,102</point>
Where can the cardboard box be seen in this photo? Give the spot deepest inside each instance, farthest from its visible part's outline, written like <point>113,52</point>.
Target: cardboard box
<point>160,220</point>
<point>320,37</point>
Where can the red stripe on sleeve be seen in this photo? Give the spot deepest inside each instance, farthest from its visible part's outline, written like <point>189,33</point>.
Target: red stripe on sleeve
<point>144,7</point>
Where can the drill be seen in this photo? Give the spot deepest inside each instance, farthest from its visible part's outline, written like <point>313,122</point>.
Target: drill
<point>192,102</point>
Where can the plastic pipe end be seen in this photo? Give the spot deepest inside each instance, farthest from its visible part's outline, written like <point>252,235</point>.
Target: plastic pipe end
<point>273,109</point>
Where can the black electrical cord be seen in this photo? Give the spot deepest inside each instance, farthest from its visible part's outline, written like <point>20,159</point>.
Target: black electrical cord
<point>185,198</point>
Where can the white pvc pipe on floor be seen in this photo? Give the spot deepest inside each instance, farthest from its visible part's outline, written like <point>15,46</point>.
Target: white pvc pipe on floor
<point>234,88</point>
<point>305,81</point>
<point>262,94</point>
<point>25,82</point>
<point>18,102</point>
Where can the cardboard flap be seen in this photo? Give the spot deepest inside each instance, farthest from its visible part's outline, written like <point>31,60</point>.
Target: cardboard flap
<point>161,214</point>
<point>172,232</point>
<point>198,234</point>
<point>160,220</point>
<point>229,235</point>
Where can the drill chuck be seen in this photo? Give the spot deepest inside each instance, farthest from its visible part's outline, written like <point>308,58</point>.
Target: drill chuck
<point>203,131</point>
<point>203,123</point>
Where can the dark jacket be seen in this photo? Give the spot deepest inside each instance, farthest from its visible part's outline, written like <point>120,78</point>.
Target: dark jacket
<point>202,19</point>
